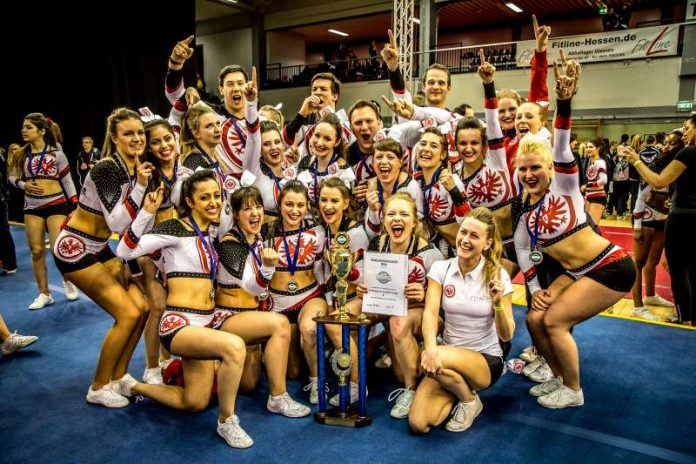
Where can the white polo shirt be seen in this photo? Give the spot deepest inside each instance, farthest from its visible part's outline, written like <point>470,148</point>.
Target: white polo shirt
<point>469,315</point>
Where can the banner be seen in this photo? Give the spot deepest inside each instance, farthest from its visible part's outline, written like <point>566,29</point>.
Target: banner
<point>630,44</point>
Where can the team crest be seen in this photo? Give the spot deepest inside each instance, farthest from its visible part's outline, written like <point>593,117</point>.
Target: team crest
<point>172,322</point>
<point>69,247</point>
<point>449,291</point>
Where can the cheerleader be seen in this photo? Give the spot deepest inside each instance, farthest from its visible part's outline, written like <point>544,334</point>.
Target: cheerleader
<point>401,235</point>
<point>111,197</point>
<point>42,171</point>
<point>241,302</point>
<point>553,219</point>
<point>190,263</point>
<point>596,174</point>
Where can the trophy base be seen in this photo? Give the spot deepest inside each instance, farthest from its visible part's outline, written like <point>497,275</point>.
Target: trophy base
<point>351,419</point>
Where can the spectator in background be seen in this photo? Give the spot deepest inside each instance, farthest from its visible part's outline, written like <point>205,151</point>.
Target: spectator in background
<point>637,145</point>
<point>87,157</point>
<point>465,109</point>
<point>8,259</point>
<point>618,196</point>
<point>623,16</point>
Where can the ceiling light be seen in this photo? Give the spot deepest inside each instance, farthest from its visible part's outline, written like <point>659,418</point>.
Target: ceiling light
<point>230,1</point>
<point>334,31</point>
<point>513,7</point>
<point>416,20</point>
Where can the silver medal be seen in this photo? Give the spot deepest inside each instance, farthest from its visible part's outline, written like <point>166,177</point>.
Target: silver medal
<point>536,256</point>
<point>292,286</point>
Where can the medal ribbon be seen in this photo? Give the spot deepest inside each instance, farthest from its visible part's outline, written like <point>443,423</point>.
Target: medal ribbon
<point>428,190</point>
<point>316,173</point>
<point>210,251</point>
<point>534,237</point>
<point>292,263</point>
<point>252,247</point>
<point>31,157</point>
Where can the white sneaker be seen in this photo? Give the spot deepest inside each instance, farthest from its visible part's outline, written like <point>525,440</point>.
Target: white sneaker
<point>541,375</point>
<point>233,433</point>
<point>283,404</point>
<point>404,398</point>
<point>644,313</point>
<point>528,354</point>
<point>464,415</point>
<point>564,397</point>
<point>106,396</point>
<point>547,387</point>
<point>41,301</point>
<point>124,385</point>
<point>657,300</point>
<point>153,376</point>
<point>71,292</point>
<point>313,388</point>
<point>534,365</point>
<point>16,342</point>
<point>672,317</point>
<point>335,400</point>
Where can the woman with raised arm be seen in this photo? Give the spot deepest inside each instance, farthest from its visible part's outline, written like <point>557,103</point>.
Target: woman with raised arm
<point>241,302</point>
<point>297,287</point>
<point>190,263</point>
<point>387,164</point>
<point>553,220</point>
<point>327,149</point>
<point>41,169</point>
<point>649,218</point>
<point>111,197</point>
<point>475,293</point>
<point>264,154</point>
<point>681,257</point>
<point>401,235</point>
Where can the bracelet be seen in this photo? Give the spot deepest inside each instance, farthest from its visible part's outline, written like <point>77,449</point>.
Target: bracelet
<point>498,308</point>
<point>175,62</point>
<point>635,165</point>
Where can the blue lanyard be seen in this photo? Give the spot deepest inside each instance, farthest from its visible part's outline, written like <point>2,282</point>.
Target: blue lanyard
<point>371,172</point>
<point>324,173</point>
<point>252,248</point>
<point>31,157</point>
<point>273,178</point>
<point>533,238</point>
<point>167,180</point>
<point>292,263</point>
<point>122,164</point>
<point>239,131</point>
<point>380,190</point>
<point>213,260</point>
<point>429,190</point>
<point>214,165</point>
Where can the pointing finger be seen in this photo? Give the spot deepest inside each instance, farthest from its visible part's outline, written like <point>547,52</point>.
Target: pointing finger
<point>392,38</point>
<point>253,76</point>
<point>187,40</point>
<point>482,56</point>
<point>563,57</point>
<point>556,74</point>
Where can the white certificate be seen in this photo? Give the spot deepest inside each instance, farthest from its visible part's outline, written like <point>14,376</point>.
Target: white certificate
<point>386,276</point>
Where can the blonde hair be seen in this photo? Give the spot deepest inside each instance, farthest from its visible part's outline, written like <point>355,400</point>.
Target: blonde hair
<point>637,143</point>
<point>417,226</point>
<point>15,160</point>
<point>190,124</point>
<point>511,94</point>
<point>117,116</point>
<point>495,251</point>
<point>277,116</point>
<point>533,144</point>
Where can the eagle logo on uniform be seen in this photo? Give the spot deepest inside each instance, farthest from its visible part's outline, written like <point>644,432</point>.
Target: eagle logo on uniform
<point>171,322</point>
<point>230,183</point>
<point>70,247</point>
<point>417,273</point>
<point>46,166</point>
<point>488,188</point>
<point>438,206</point>
<point>556,214</point>
<point>592,172</point>
<point>304,256</point>
<point>333,169</point>
<point>449,291</point>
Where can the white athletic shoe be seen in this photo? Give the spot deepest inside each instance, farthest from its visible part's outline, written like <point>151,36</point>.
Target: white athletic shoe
<point>657,300</point>
<point>336,400</point>
<point>153,376</point>
<point>644,313</point>
<point>534,365</point>
<point>464,415</point>
<point>71,292</point>
<point>313,388</point>
<point>564,397</point>
<point>404,398</point>
<point>283,404</point>
<point>41,301</point>
<point>124,385</point>
<point>16,342</point>
<point>106,396</point>
<point>547,387</point>
<point>233,433</point>
<point>672,317</point>
<point>528,354</point>
<point>542,374</point>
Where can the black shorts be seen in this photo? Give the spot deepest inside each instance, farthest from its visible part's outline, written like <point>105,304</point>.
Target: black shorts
<point>60,209</point>
<point>495,366</point>
<point>655,225</point>
<point>86,261</point>
<point>598,200</point>
<point>293,314</point>
<point>618,275</point>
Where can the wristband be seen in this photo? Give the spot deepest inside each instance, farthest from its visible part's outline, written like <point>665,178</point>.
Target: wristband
<point>498,308</point>
<point>635,165</point>
<point>175,62</point>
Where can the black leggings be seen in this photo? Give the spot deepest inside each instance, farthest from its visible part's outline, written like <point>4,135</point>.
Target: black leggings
<point>681,259</point>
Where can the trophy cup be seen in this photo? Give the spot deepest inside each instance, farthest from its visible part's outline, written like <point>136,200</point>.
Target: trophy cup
<point>342,260</point>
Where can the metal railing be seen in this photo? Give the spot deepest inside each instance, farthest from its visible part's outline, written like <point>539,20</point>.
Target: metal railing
<point>457,59</point>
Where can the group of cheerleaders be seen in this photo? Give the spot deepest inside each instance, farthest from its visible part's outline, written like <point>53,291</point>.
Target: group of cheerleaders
<point>225,219</point>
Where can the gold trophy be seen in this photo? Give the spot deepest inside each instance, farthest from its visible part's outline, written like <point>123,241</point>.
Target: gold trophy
<point>342,260</point>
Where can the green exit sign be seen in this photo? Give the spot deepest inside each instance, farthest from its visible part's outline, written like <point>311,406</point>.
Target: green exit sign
<point>685,105</point>
<point>602,9</point>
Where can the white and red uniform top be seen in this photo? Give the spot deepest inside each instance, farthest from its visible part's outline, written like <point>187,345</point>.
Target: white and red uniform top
<point>50,164</point>
<point>240,268</point>
<point>596,175</point>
